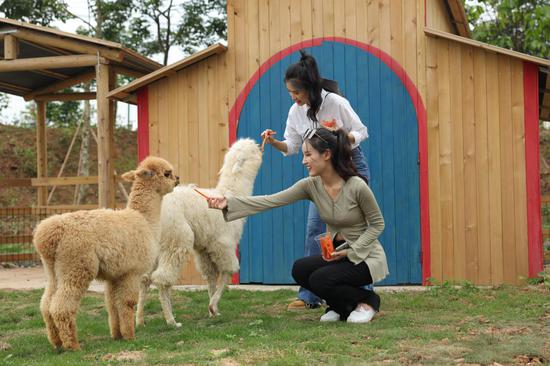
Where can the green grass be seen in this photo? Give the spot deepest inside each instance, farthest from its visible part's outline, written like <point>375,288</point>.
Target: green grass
<point>440,326</point>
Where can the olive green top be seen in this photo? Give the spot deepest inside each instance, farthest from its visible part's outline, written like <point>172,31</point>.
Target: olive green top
<point>354,213</point>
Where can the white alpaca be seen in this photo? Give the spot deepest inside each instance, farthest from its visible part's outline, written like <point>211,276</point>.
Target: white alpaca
<point>115,246</point>
<point>188,225</point>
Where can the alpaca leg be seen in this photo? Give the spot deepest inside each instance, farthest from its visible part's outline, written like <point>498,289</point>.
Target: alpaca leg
<point>114,323</point>
<point>210,272</point>
<point>213,306</point>
<point>172,256</point>
<point>125,295</point>
<point>64,306</point>
<point>166,304</point>
<point>143,289</point>
<point>53,334</point>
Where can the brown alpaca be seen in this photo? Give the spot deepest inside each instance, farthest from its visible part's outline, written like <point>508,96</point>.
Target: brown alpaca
<point>115,246</point>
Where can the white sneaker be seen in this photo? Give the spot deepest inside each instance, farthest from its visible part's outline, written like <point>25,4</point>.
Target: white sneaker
<point>362,315</point>
<point>331,316</point>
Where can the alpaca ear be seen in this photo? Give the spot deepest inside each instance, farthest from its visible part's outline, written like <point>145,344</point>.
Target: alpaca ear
<point>144,173</point>
<point>237,167</point>
<point>129,176</point>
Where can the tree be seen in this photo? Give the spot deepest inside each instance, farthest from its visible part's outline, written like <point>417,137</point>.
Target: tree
<point>204,23</point>
<point>42,12</point>
<point>520,25</point>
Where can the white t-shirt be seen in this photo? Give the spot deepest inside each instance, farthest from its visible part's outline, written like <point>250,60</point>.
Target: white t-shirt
<point>332,107</point>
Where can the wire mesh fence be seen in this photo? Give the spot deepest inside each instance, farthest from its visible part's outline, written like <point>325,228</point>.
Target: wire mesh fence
<point>16,228</point>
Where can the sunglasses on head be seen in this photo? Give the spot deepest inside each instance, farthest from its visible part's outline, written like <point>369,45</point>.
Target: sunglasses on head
<point>310,132</point>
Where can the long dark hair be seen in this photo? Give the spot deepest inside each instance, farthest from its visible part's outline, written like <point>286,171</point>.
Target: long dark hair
<point>304,75</point>
<point>338,144</point>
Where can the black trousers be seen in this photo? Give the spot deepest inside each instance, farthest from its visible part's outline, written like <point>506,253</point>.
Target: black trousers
<point>339,283</point>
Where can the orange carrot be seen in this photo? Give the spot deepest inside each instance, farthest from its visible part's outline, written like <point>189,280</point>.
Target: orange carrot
<point>202,194</point>
<point>329,124</point>
<point>266,136</point>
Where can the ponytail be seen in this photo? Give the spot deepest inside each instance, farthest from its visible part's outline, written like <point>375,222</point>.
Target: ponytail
<point>304,75</point>
<point>338,144</point>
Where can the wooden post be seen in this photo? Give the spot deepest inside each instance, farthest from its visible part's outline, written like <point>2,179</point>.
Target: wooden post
<point>105,138</point>
<point>53,62</point>
<point>10,47</point>
<point>41,151</point>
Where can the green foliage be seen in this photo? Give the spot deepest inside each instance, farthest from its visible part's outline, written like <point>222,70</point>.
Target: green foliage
<point>205,23</point>
<point>520,25</point>
<point>4,101</point>
<point>64,114</point>
<point>27,158</point>
<point>543,278</point>
<point>42,12</point>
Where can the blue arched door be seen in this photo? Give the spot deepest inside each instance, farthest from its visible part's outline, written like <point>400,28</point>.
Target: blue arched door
<point>273,240</point>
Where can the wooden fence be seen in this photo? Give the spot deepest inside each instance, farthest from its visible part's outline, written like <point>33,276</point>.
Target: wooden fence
<point>17,223</point>
<point>545,213</point>
<point>16,228</point>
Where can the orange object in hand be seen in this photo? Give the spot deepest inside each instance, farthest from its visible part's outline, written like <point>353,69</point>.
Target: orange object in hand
<point>329,124</point>
<point>326,246</point>
<point>202,194</point>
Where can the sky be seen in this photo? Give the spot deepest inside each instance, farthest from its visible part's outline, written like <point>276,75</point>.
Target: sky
<point>126,113</point>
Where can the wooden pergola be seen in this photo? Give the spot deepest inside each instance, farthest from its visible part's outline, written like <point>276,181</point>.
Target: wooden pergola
<point>39,62</point>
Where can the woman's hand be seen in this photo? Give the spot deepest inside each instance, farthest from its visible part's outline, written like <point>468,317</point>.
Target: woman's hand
<point>336,256</point>
<point>218,203</point>
<point>267,136</point>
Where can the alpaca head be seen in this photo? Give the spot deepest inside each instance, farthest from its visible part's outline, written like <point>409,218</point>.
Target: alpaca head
<point>153,172</point>
<point>243,159</point>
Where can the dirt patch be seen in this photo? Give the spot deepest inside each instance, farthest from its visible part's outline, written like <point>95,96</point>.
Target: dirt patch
<point>4,346</point>
<point>438,351</point>
<point>525,360</point>
<point>218,352</point>
<point>228,362</point>
<point>124,356</point>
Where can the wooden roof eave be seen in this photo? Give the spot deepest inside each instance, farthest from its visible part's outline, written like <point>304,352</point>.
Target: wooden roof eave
<point>440,34</point>
<point>124,92</point>
<point>458,17</point>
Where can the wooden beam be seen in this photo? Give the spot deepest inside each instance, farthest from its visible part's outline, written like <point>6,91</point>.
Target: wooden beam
<point>15,88</point>
<point>70,44</point>
<point>43,210</point>
<point>63,181</point>
<point>128,72</point>
<point>66,96</point>
<point>51,74</point>
<point>15,182</point>
<point>439,34</point>
<point>105,138</point>
<point>459,18</point>
<point>81,78</point>
<point>15,239</point>
<point>11,47</point>
<point>41,151</point>
<point>18,257</point>
<point>54,62</point>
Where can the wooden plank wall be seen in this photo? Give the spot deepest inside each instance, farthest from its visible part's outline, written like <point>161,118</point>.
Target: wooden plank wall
<point>474,101</point>
<point>188,126</point>
<point>437,16</point>
<point>477,177</point>
<point>188,111</point>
